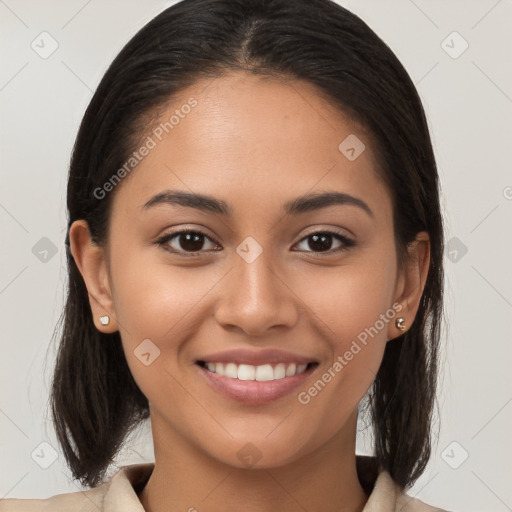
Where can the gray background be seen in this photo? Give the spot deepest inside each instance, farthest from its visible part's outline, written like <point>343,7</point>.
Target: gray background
<point>468,99</point>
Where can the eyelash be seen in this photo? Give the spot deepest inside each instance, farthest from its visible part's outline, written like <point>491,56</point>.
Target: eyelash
<point>163,241</point>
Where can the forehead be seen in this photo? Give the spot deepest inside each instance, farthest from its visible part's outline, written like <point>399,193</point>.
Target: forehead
<point>254,140</point>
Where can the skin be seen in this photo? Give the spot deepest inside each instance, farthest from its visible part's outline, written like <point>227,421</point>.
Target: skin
<point>254,142</point>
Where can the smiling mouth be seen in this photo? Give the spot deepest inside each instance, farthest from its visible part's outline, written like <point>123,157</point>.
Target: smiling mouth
<point>260,373</point>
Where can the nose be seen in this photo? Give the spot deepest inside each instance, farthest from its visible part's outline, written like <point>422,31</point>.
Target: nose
<point>256,298</point>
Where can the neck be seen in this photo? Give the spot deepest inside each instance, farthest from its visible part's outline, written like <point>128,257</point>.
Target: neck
<point>187,479</point>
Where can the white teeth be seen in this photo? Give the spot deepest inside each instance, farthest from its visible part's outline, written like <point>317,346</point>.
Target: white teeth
<point>231,371</point>
<point>280,371</point>
<point>290,370</point>
<point>246,372</point>
<point>265,372</point>
<point>301,368</point>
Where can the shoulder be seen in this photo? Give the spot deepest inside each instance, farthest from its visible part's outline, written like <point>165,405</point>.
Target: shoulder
<point>387,496</point>
<point>406,503</point>
<point>117,494</point>
<point>84,501</point>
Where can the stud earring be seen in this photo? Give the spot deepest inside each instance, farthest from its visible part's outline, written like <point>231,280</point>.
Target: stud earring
<point>400,323</point>
<point>105,320</point>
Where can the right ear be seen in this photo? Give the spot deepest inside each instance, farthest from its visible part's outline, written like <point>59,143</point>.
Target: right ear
<point>91,262</point>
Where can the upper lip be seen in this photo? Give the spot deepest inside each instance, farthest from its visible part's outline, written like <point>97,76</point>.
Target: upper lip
<point>256,357</point>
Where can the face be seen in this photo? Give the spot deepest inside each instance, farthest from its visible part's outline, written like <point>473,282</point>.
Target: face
<point>254,321</point>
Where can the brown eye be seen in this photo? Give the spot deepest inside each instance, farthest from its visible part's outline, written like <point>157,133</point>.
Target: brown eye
<point>186,241</point>
<point>322,241</point>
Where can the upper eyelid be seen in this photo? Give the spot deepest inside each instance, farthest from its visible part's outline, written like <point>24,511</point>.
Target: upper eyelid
<point>309,233</point>
<point>335,231</point>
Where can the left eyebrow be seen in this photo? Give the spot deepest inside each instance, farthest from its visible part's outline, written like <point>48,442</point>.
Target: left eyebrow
<point>318,200</point>
<point>302,204</point>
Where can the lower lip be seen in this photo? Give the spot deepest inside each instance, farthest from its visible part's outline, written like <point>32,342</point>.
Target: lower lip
<point>255,392</point>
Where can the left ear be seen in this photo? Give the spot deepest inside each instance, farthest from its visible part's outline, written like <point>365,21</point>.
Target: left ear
<point>411,282</point>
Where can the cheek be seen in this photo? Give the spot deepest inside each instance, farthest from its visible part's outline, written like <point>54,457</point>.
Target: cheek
<point>157,302</point>
<point>353,305</point>
<point>349,300</point>
<point>152,304</point>
<point>152,299</point>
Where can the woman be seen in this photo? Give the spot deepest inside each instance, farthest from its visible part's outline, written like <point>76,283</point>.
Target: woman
<point>255,255</point>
